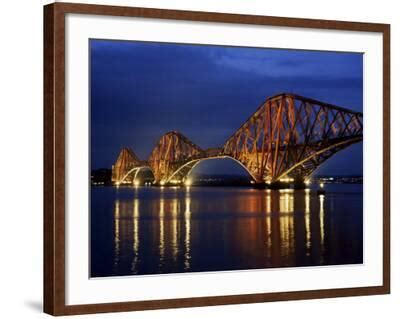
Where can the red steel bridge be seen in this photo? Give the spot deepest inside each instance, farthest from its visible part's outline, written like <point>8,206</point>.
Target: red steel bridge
<point>286,139</point>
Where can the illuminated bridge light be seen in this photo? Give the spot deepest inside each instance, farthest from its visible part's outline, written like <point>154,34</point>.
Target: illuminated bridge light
<point>188,182</point>
<point>286,180</point>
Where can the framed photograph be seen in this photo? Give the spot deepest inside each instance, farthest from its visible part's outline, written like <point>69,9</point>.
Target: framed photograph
<point>196,158</point>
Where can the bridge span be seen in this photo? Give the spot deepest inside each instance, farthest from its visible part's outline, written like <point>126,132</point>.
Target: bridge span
<point>287,138</point>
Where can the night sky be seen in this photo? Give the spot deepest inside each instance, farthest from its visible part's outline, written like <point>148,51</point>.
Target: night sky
<point>141,90</point>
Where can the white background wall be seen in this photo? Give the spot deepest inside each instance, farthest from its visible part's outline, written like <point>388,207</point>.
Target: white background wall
<point>21,158</point>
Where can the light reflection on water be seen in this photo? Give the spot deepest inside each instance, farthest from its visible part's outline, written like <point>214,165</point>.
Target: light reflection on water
<point>146,230</point>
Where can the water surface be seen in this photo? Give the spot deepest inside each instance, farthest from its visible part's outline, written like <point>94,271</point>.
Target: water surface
<point>152,230</point>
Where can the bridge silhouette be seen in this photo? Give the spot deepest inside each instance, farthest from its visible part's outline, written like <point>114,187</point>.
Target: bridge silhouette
<point>286,139</point>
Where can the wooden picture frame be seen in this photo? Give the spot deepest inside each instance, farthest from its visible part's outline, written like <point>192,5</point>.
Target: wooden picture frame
<point>55,157</point>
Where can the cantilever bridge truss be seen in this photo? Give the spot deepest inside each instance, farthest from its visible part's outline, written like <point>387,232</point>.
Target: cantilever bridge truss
<point>288,136</point>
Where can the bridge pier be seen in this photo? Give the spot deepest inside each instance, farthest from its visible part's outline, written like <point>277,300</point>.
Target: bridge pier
<point>278,185</point>
<point>297,183</point>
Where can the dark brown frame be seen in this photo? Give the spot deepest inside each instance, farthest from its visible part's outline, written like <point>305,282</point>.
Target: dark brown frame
<point>54,157</point>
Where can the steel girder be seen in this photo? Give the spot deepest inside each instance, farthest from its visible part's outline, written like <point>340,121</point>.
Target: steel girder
<point>126,161</point>
<point>172,151</point>
<point>290,135</point>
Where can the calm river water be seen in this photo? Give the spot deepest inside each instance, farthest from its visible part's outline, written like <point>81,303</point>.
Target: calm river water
<point>152,230</point>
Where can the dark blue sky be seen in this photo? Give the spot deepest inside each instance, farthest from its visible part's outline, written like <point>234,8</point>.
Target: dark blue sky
<point>141,90</point>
